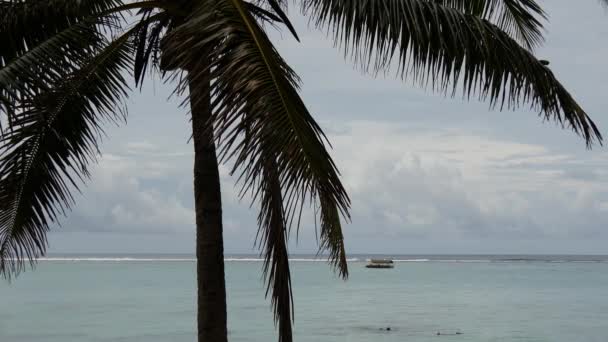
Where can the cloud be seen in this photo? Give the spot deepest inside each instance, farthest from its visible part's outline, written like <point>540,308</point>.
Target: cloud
<point>405,183</point>
<point>137,147</point>
<point>447,183</point>
<point>118,200</point>
<point>148,193</point>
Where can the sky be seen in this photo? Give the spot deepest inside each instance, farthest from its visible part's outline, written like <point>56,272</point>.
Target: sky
<point>426,174</point>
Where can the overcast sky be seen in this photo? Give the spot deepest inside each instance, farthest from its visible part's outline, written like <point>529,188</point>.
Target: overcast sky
<point>426,174</point>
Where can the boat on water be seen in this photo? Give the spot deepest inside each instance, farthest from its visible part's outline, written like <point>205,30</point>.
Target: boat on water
<point>380,263</point>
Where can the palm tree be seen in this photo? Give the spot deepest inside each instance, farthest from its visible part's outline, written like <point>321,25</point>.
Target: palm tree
<point>64,72</point>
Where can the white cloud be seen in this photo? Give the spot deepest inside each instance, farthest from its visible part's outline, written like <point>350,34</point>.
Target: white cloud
<point>118,200</point>
<point>447,182</point>
<point>404,183</point>
<point>136,147</point>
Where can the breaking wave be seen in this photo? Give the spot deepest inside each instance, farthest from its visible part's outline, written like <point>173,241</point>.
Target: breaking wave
<point>366,258</point>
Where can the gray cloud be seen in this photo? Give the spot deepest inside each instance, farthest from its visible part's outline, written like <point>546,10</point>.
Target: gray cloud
<point>414,181</point>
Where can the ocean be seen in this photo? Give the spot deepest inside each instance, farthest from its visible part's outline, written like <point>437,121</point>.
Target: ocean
<point>151,298</point>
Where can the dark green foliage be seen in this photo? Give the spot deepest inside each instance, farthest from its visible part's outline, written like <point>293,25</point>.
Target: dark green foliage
<point>520,19</point>
<point>52,138</point>
<point>147,41</point>
<point>25,24</point>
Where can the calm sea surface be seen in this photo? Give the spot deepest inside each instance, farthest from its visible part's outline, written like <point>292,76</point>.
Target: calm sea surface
<point>486,298</point>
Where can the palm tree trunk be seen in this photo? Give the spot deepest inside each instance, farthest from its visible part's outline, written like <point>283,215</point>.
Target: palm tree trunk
<point>211,318</point>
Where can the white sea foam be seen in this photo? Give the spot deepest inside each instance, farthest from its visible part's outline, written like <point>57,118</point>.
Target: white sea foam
<point>304,259</point>
<point>75,259</point>
<point>442,260</point>
<point>131,259</point>
<point>243,259</point>
<point>465,260</point>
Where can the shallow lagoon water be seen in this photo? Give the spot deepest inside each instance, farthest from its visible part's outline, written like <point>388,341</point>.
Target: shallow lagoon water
<point>552,300</point>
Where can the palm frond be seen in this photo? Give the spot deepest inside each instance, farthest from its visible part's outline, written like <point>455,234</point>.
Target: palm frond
<point>24,24</point>
<point>42,65</point>
<point>43,41</point>
<point>332,239</point>
<point>261,13</point>
<point>272,11</point>
<point>276,7</point>
<point>258,118</point>
<point>147,42</point>
<point>273,240</point>
<point>273,115</point>
<point>45,151</point>
<point>442,46</point>
<point>521,19</point>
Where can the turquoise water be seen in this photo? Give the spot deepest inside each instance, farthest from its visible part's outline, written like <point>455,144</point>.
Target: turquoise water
<point>151,301</point>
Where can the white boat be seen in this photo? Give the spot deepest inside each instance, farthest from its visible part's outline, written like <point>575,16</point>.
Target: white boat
<point>380,263</point>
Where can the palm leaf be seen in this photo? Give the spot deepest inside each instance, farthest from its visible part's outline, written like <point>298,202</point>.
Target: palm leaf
<point>147,42</point>
<point>24,24</point>
<point>444,47</point>
<point>276,7</point>
<point>273,240</point>
<point>273,11</point>
<point>41,42</point>
<point>261,13</point>
<point>50,141</point>
<point>262,125</point>
<point>49,62</point>
<point>518,18</point>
